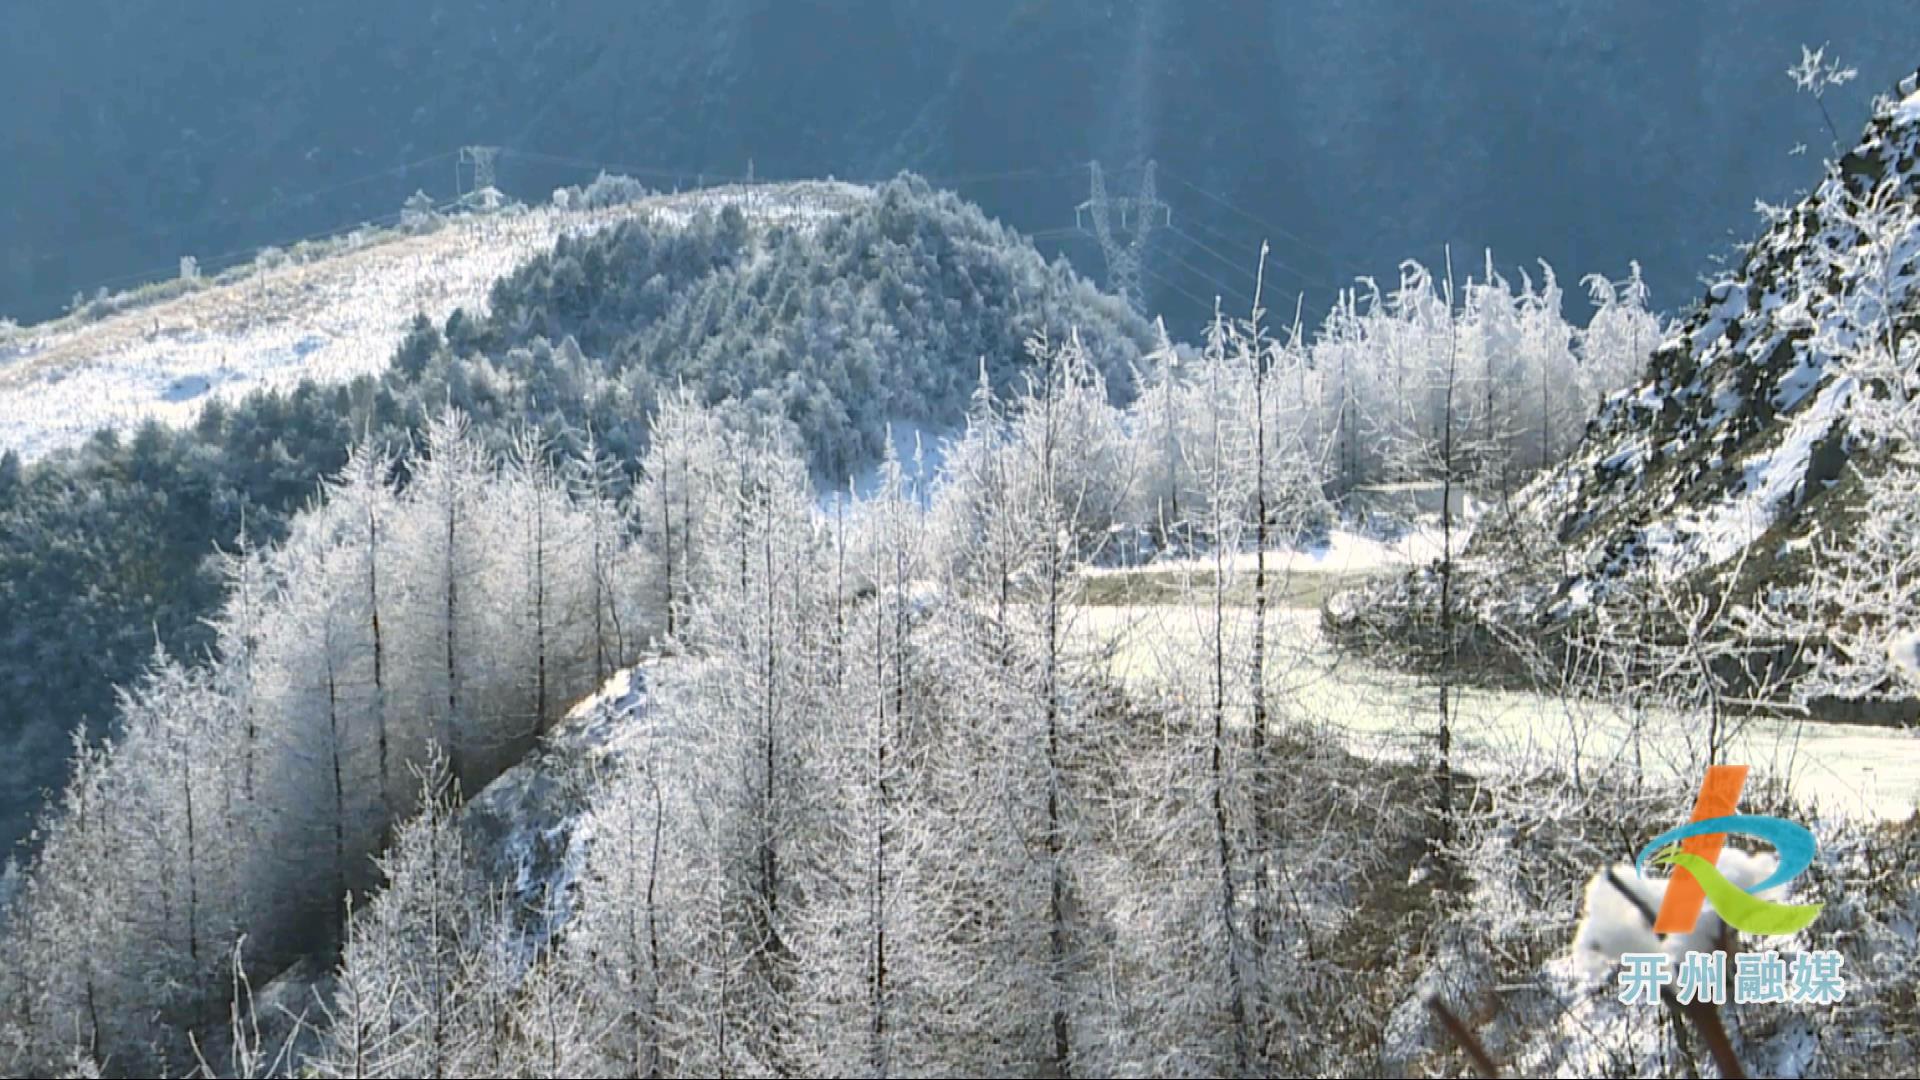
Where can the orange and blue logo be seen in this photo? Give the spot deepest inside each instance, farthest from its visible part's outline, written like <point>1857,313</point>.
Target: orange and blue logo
<point>1692,852</point>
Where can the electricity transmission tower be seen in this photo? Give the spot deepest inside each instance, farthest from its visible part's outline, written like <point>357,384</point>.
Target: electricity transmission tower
<point>475,164</point>
<point>1126,246</point>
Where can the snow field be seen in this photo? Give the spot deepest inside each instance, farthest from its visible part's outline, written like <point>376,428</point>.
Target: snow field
<point>330,320</point>
<point>1845,770</point>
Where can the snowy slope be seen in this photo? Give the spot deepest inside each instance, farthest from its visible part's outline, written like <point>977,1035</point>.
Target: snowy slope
<point>328,320</point>
<point>1740,424</point>
<point>528,828</point>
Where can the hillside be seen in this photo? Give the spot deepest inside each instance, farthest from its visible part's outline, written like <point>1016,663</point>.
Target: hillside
<point>162,432</point>
<point>1734,449</point>
<point>326,313</point>
<point>596,605</point>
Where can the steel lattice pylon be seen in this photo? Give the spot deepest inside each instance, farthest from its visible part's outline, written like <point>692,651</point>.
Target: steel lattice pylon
<point>1125,247</point>
<point>478,161</point>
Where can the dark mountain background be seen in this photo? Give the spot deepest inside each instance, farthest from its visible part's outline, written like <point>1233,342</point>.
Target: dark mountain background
<point>137,131</point>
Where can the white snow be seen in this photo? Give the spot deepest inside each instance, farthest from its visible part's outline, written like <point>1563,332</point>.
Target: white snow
<point>1613,924</point>
<point>1770,481</point>
<point>1846,771</point>
<point>1345,550</point>
<point>531,822</point>
<point>1629,456</point>
<point>1908,111</point>
<point>920,451</point>
<point>1349,552</point>
<point>1725,404</point>
<point>328,320</point>
<point>1794,386</point>
<point>1904,653</point>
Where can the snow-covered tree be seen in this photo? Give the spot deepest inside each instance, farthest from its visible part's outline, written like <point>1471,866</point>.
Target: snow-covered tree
<point>406,1006</point>
<point>245,799</point>
<point>1618,338</point>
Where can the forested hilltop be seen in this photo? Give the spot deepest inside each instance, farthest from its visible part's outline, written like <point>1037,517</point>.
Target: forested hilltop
<point>830,332</point>
<point>886,315</point>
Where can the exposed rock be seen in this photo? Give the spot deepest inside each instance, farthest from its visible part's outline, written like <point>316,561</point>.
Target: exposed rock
<point>1741,421</point>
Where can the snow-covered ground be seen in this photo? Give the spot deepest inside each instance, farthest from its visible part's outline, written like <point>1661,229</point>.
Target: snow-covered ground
<point>1908,110</point>
<point>1846,770</point>
<point>1717,532</point>
<point>1345,550</point>
<point>328,320</point>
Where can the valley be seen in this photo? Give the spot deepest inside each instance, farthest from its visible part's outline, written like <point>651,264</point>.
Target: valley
<point>802,629</point>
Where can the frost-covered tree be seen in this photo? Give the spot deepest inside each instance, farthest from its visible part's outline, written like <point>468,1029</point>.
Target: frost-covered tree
<point>1526,377</point>
<point>1618,338</point>
<point>596,481</point>
<point>244,799</point>
<point>363,495</point>
<point>1814,75</point>
<point>679,486</point>
<point>1158,422</point>
<point>858,980</point>
<point>440,558</point>
<point>406,1002</point>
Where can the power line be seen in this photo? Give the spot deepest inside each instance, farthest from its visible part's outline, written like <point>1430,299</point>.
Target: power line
<point>313,193</point>
<point>258,213</point>
<point>1076,233</point>
<point>1011,174</point>
<point>1174,285</point>
<point>1332,259</point>
<point>1224,260</point>
<point>1073,233</point>
<point>1271,260</point>
<point>1124,246</point>
<point>1231,240</point>
<point>1221,285</point>
<point>1210,279</point>
<point>701,178</point>
<point>211,263</point>
<point>1218,235</point>
<point>1255,218</point>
